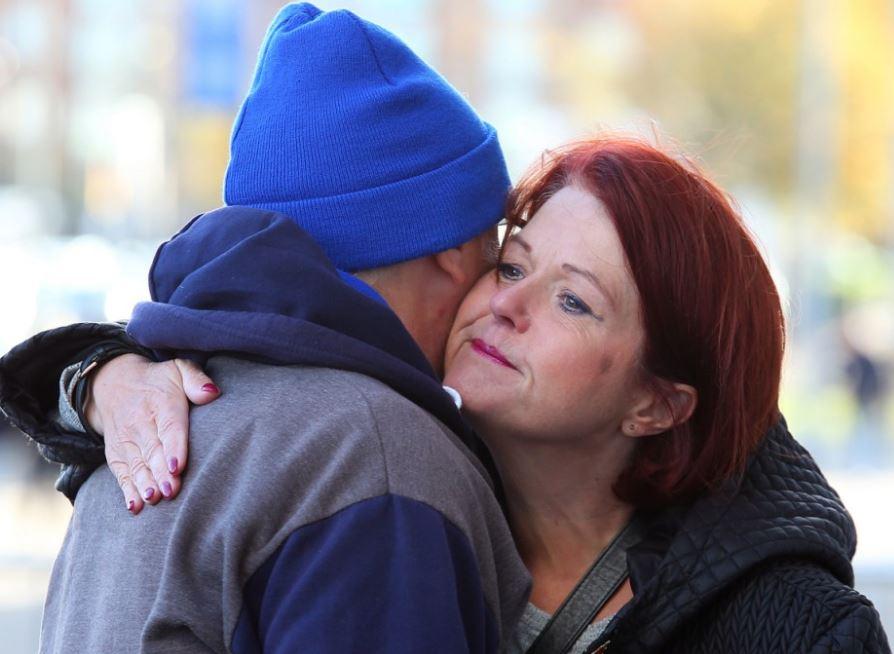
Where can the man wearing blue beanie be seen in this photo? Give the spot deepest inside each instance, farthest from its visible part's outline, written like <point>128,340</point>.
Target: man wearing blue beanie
<point>333,502</point>
<point>374,154</point>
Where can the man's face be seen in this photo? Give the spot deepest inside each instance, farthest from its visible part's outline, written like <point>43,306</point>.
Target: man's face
<point>477,257</point>
<point>487,247</point>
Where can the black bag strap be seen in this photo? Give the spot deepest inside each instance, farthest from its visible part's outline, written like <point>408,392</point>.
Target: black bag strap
<point>592,592</point>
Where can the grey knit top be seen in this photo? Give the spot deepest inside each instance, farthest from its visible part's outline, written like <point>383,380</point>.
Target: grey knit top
<point>532,622</point>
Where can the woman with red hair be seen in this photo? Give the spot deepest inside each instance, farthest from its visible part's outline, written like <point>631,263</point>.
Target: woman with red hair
<point>625,360</point>
<point>622,365</point>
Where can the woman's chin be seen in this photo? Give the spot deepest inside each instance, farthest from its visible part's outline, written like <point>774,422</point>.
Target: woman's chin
<point>478,395</point>
<point>482,406</point>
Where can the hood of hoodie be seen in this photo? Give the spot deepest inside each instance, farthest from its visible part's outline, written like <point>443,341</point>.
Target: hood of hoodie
<point>782,508</point>
<point>251,283</point>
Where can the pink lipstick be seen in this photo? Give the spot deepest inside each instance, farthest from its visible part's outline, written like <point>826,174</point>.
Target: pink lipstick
<point>491,352</point>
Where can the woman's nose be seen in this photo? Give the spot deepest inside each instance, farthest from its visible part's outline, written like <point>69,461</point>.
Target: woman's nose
<point>511,306</point>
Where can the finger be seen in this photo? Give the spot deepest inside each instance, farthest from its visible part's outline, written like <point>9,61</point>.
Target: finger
<point>143,479</point>
<point>134,442</point>
<point>132,500</point>
<point>199,387</point>
<point>167,449</point>
<point>172,431</point>
<point>141,475</point>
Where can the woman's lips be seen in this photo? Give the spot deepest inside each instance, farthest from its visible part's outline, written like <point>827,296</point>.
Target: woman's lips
<point>491,353</point>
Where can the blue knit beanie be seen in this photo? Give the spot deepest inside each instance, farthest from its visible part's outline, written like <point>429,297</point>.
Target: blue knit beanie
<point>366,147</point>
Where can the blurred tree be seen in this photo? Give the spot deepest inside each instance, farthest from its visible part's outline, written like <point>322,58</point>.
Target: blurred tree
<point>794,97</point>
<point>460,43</point>
<point>865,43</point>
<point>718,76</point>
<point>723,77</point>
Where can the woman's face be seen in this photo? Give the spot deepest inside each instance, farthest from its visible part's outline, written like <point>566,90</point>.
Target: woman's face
<point>549,347</point>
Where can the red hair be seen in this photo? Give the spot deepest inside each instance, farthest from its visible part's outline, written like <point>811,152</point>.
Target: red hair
<point>710,310</point>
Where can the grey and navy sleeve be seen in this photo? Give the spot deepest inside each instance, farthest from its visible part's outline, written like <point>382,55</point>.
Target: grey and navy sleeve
<point>388,574</point>
<point>386,545</point>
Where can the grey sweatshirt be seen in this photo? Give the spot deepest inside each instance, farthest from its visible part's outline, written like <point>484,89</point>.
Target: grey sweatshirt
<point>320,512</point>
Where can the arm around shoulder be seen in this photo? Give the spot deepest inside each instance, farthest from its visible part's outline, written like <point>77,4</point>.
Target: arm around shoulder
<point>30,395</point>
<point>30,373</point>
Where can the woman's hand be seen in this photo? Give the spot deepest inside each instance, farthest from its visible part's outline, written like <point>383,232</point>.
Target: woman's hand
<point>142,410</point>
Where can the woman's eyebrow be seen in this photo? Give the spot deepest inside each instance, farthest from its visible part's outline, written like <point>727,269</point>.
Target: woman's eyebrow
<point>593,279</point>
<point>522,242</point>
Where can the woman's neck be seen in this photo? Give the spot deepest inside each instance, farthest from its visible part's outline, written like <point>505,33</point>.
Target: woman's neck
<point>561,507</point>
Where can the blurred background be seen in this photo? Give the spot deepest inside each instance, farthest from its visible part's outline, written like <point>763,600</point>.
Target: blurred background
<point>114,127</point>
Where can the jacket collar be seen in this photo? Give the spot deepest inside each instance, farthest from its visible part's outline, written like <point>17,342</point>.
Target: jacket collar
<point>781,508</point>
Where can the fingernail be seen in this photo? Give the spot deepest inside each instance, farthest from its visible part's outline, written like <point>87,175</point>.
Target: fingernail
<point>173,464</point>
<point>166,488</point>
<point>130,505</point>
<point>211,388</point>
<point>149,493</point>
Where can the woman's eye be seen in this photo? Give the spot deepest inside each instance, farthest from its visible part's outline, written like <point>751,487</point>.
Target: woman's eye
<point>509,272</point>
<point>574,305</point>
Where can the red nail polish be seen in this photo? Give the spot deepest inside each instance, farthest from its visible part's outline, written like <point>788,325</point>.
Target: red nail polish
<point>149,493</point>
<point>130,505</point>
<point>166,489</point>
<point>211,388</point>
<point>173,464</point>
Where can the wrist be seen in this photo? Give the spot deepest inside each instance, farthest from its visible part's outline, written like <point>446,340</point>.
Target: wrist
<point>91,413</point>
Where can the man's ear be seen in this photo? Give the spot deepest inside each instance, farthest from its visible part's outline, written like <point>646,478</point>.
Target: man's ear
<point>453,263</point>
<point>465,263</point>
<point>665,405</point>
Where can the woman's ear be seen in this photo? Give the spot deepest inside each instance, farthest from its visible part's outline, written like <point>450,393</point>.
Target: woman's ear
<point>665,405</point>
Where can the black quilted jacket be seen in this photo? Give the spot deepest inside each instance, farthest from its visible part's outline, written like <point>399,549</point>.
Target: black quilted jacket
<point>763,566</point>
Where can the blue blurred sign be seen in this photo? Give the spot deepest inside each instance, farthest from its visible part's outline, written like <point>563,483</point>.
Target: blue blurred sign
<point>212,52</point>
